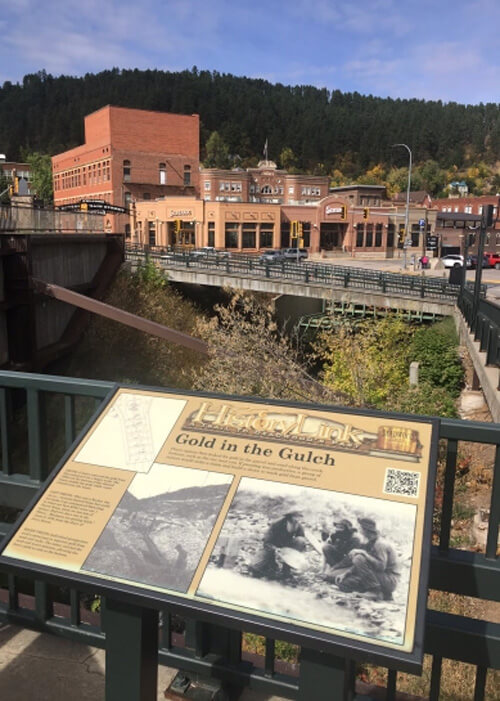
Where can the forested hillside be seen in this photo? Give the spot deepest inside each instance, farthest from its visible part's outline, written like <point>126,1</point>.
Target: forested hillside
<point>320,130</point>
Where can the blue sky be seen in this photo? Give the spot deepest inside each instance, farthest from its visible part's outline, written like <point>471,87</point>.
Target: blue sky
<point>431,49</point>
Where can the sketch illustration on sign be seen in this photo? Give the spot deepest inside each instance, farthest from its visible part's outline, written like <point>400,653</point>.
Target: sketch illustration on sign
<point>331,559</point>
<point>133,431</point>
<point>161,527</point>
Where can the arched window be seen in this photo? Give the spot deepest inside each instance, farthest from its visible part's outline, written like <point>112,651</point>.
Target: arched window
<point>187,175</point>
<point>266,190</point>
<point>163,173</point>
<point>126,171</point>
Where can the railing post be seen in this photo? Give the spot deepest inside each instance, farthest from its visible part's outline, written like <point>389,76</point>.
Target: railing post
<point>131,652</point>
<point>36,435</point>
<point>324,677</point>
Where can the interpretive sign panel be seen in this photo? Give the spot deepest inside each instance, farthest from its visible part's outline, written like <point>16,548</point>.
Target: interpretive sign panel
<point>312,521</point>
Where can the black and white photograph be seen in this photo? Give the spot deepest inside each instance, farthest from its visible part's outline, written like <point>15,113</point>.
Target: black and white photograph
<point>322,558</point>
<point>161,526</point>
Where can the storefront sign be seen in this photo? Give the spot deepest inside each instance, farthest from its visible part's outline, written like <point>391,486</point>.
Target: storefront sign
<point>181,213</point>
<point>334,210</point>
<point>312,520</point>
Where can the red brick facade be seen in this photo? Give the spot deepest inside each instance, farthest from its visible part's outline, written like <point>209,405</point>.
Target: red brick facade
<point>129,154</point>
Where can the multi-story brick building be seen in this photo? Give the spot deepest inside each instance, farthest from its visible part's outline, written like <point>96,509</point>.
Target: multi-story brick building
<point>337,223</point>
<point>461,216</point>
<point>265,184</point>
<point>129,155</point>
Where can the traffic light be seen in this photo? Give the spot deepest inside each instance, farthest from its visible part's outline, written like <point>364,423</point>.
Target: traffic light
<point>366,212</point>
<point>294,229</point>
<point>84,207</point>
<point>16,185</point>
<point>178,226</point>
<point>343,212</point>
<point>402,235</point>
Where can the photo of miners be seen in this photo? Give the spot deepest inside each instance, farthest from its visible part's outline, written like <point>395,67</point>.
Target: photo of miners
<point>161,526</point>
<point>330,559</point>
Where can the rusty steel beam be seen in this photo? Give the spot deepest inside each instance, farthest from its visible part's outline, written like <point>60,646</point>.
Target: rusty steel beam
<point>106,310</point>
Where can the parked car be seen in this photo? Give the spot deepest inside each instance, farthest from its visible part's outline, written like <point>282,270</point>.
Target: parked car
<point>455,260</point>
<point>272,256</point>
<point>209,252</point>
<point>473,260</point>
<point>295,253</point>
<point>493,260</point>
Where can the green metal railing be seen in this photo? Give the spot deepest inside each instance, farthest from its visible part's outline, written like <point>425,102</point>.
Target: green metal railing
<point>333,276</point>
<point>28,404</point>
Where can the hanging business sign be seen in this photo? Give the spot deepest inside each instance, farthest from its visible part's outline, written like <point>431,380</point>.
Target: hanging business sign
<point>311,524</point>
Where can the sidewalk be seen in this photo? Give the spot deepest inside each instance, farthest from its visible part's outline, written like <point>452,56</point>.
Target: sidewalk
<point>42,667</point>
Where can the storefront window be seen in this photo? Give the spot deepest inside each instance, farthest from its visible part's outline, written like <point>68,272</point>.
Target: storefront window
<point>211,233</point>
<point>285,234</point>
<point>390,236</point>
<point>369,235</point>
<point>306,233</point>
<point>266,235</point>
<point>359,236</point>
<point>378,235</point>
<point>249,236</point>
<point>231,235</point>
<point>151,233</point>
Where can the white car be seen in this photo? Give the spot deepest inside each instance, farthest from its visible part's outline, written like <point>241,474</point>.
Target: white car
<point>208,252</point>
<point>454,260</point>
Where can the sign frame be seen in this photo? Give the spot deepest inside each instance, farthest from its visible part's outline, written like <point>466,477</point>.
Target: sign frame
<point>346,647</point>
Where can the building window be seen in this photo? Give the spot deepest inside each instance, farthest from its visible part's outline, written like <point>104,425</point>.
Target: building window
<point>306,233</point>
<point>468,209</point>
<point>266,235</point>
<point>378,235</point>
<point>127,199</point>
<point>231,235</point>
<point>207,185</point>
<point>368,235</point>
<point>126,171</point>
<point>249,236</point>
<point>127,231</point>
<point>291,190</point>
<point>266,190</point>
<point>187,175</point>
<point>151,233</point>
<point>163,173</point>
<point>146,195</point>
<point>359,236</point>
<point>211,233</point>
<point>390,236</point>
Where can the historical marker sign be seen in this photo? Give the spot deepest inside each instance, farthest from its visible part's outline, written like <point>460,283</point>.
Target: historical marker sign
<point>307,521</point>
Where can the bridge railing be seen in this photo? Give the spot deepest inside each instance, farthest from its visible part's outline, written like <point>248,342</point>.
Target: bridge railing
<point>335,276</point>
<point>483,320</point>
<point>29,406</point>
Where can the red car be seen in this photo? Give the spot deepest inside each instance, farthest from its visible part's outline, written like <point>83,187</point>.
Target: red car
<point>493,260</point>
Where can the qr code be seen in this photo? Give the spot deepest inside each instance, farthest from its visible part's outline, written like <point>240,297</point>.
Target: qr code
<point>401,482</point>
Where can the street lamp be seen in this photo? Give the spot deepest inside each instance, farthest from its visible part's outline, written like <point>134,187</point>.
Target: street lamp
<point>407,211</point>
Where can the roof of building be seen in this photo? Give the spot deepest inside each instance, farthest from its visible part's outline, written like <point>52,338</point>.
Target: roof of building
<point>458,216</point>
<point>415,196</point>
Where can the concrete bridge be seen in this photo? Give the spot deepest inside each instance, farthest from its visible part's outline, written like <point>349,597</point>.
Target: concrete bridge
<point>308,284</point>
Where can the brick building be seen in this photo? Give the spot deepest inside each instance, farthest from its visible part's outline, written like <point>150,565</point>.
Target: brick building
<point>337,223</point>
<point>461,216</point>
<point>266,184</point>
<point>129,154</point>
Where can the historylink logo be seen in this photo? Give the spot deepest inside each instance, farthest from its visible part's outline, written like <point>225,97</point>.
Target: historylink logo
<point>272,424</point>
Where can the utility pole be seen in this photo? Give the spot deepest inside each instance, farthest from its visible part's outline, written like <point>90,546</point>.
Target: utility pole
<point>407,238</point>
<point>486,221</point>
